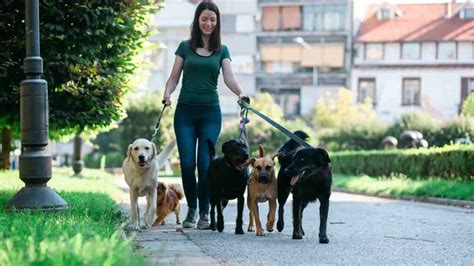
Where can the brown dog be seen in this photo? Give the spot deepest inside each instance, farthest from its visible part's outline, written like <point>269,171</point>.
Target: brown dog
<point>167,202</point>
<point>262,187</point>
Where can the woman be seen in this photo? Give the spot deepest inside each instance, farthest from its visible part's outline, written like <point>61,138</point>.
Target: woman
<point>198,114</point>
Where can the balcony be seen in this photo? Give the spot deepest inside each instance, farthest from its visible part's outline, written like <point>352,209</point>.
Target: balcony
<point>299,79</point>
<point>283,80</point>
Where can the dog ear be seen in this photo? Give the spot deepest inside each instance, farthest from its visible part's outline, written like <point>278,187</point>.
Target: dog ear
<point>322,156</point>
<point>153,150</point>
<point>129,151</point>
<point>250,161</point>
<point>226,146</point>
<point>274,156</point>
<point>261,150</point>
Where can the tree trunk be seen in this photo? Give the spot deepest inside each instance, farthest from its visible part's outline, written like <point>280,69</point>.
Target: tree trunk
<point>6,148</point>
<point>77,162</point>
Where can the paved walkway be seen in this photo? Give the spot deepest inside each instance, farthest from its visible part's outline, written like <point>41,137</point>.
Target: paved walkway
<point>167,244</point>
<point>362,231</point>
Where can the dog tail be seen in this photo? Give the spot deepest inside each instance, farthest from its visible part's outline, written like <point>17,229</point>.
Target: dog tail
<point>177,189</point>
<point>165,154</point>
<point>212,148</point>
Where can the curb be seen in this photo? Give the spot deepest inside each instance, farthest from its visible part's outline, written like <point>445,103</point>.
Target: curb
<point>439,201</point>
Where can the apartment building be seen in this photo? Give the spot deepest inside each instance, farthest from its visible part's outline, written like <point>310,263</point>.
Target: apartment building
<point>415,56</point>
<point>304,50</point>
<point>237,31</point>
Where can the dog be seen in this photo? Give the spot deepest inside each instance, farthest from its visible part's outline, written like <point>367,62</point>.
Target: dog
<point>167,202</point>
<point>311,179</point>
<point>285,156</point>
<point>140,169</point>
<point>262,187</point>
<point>228,176</point>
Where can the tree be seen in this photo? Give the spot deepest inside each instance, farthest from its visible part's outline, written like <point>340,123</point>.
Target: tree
<point>88,48</point>
<point>468,106</point>
<point>333,111</point>
<point>142,112</point>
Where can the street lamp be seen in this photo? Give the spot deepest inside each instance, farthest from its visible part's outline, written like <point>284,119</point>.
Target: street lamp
<point>35,160</point>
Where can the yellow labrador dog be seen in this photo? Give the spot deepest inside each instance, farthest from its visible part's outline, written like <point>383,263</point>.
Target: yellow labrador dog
<point>140,169</point>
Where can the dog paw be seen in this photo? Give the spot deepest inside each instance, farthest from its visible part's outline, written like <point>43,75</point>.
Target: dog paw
<point>220,226</point>
<point>297,236</point>
<point>280,226</point>
<point>135,227</point>
<point>260,232</point>
<point>302,232</point>
<point>239,231</point>
<point>323,239</point>
<point>250,229</point>
<point>213,226</point>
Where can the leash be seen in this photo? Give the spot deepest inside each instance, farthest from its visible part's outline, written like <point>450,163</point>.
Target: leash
<point>157,127</point>
<point>243,122</point>
<point>245,105</point>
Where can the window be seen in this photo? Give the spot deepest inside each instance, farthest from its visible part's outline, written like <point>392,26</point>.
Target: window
<point>411,91</point>
<point>385,14</point>
<point>467,13</point>
<point>228,24</point>
<point>366,89</point>
<point>374,51</point>
<point>288,99</point>
<point>447,50</point>
<point>328,21</point>
<point>411,50</point>
<point>324,17</point>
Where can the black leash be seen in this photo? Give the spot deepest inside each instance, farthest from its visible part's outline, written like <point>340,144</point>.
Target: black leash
<point>157,127</point>
<point>245,105</point>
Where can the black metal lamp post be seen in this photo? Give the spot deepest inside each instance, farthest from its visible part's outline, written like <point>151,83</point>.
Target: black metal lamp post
<point>35,160</point>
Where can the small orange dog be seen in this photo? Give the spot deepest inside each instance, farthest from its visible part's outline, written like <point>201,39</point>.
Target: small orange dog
<point>167,202</point>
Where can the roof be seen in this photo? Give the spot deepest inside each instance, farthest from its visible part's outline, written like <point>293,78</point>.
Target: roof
<point>416,22</point>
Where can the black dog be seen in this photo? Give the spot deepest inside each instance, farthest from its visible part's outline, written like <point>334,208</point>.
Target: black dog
<point>311,179</point>
<point>285,156</point>
<point>228,177</point>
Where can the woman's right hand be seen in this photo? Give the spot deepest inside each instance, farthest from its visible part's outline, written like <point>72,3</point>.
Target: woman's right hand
<point>166,100</point>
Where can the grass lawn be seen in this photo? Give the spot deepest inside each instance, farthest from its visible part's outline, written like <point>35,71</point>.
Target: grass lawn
<point>85,234</point>
<point>402,186</point>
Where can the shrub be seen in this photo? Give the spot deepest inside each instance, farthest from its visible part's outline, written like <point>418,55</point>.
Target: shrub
<point>455,161</point>
<point>419,121</point>
<point>460,127</point>
<point>354,136</point>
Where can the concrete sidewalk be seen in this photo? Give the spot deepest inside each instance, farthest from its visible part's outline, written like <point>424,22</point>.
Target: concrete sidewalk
<point>167,244</point>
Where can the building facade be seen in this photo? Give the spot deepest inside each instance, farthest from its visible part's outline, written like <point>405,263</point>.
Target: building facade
<point>415,56</point>
<point>304,51</point>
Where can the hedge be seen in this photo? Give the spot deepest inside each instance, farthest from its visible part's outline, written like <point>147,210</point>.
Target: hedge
<point>449,162</point>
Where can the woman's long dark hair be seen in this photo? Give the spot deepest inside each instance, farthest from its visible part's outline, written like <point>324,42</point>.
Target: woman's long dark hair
<point>196,38</point>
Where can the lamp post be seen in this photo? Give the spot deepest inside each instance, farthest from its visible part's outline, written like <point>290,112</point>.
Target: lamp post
<point>306,45</point>
<point>35,160</point>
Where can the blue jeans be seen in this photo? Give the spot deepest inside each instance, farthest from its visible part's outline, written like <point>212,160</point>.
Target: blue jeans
<point>194,124</point>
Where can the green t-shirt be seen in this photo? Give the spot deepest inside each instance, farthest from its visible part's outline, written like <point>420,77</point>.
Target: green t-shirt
<point>200,73</point>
